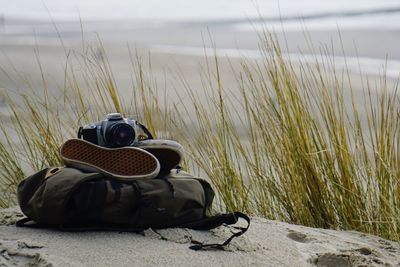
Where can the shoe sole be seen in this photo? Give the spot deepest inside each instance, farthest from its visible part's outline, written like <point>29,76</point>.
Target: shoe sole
<point>169,153</point>
<point>123,163</point>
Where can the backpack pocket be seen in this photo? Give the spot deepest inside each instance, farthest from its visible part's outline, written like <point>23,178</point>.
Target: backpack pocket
<point>170,202</point>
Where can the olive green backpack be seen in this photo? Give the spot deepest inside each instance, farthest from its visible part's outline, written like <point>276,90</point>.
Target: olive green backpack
<point>69,199</point>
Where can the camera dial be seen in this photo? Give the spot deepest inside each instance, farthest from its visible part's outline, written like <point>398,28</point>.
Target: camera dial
<point>114,116</point>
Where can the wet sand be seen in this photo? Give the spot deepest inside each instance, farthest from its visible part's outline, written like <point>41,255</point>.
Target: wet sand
<point>19,38</point>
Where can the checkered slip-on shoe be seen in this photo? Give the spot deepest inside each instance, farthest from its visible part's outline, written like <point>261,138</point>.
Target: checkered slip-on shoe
<point>169,153</point>
<point>124,163</point>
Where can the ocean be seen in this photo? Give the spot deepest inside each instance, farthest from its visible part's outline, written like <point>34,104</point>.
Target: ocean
<point>325,12</point>
<point>176,26</point>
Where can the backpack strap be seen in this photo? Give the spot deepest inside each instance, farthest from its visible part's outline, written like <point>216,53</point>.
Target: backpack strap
<point>215,221</point>
<point>206,224</point>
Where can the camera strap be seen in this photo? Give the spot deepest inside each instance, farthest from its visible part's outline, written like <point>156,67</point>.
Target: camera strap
<point>146,131</point>
<point>80,132</point>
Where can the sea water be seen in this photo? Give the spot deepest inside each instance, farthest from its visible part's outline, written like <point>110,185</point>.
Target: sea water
<point>196,10</point>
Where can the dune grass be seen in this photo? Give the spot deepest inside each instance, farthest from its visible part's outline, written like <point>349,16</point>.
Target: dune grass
<point>293,145</point>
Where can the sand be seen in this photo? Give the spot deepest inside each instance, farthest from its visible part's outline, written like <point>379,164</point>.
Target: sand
<point>267,243</point>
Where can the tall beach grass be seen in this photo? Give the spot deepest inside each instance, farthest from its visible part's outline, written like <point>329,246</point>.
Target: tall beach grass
<point>293,144</point>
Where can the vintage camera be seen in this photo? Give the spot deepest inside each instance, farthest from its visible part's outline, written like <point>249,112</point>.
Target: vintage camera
<point>114,131</point>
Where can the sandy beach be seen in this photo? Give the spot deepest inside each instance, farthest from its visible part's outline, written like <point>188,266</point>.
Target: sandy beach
<point>170,47</point>
<point>175,56</point>
<point>267,243</point>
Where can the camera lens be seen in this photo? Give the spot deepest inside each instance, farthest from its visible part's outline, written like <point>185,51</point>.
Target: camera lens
<point>120,134</point>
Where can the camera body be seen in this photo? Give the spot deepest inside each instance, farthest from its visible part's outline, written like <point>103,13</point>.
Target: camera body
<point>113,131</point>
